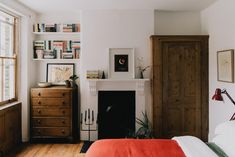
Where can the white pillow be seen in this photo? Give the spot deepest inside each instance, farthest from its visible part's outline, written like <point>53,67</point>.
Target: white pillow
<point>225,128</point>
<point>226,143</point>
<point>194,147</point>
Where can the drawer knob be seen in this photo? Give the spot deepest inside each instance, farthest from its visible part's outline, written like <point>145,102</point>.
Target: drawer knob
<point>63,103</point>
<point>63,132</point>
<point>39,102</point>
<point>39,131</point>
<point>39,122</point>
<point>39,111</point>
<point>63,111</point>
<point>39,94</point>
<point>63,121</point>
<point>63,94</point>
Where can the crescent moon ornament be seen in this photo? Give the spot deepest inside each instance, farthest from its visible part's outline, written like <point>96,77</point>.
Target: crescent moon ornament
<point>122,61</point>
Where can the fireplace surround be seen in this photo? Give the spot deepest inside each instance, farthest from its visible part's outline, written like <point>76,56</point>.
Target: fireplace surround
<point>142,101</point>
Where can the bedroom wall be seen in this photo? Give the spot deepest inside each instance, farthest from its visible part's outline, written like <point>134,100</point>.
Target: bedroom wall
<point>103,29</point>
<point>217,22</point>
<point>177,22</point>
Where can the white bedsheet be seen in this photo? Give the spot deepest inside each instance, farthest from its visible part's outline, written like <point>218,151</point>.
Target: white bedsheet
<point>194,147</point>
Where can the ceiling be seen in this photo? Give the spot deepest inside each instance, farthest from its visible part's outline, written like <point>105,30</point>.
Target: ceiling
<point>48,6</point>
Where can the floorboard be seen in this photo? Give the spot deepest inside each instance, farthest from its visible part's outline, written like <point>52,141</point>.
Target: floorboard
<point>48,150</point>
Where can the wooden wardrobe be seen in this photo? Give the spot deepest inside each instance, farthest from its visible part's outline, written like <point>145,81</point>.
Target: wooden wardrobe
<point>180,86</point>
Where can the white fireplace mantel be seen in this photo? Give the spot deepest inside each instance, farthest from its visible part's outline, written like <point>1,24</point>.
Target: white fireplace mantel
<point>142,88</point>
<point>120,84</point>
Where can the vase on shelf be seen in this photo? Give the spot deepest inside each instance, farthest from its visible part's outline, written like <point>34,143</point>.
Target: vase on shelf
<point>141,74</point>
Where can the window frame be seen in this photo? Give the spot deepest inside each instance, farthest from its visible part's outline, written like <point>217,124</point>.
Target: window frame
<point>14,57</point>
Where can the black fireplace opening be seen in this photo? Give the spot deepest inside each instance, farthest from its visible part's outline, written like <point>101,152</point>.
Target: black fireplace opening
<point>116,114</point>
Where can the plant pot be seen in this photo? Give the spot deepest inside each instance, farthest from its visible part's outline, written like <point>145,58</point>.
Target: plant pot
<point>141,75</point>
<point>73,84</point>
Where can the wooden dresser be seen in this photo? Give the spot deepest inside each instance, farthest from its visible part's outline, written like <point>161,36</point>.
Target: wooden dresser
<point>10,127</point>
<point>54,113</point>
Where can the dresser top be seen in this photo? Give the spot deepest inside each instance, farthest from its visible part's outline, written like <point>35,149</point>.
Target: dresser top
<point>54,87</point>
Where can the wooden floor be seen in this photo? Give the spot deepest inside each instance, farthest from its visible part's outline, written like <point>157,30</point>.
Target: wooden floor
<point>48,150</point>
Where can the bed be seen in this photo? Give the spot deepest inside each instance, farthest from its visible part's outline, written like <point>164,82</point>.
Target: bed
<point>222,145</point>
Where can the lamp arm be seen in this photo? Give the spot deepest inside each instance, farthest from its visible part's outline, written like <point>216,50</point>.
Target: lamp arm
<point>225,92</point>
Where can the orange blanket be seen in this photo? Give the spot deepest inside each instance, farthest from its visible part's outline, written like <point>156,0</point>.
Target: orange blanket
<point>135,148</point>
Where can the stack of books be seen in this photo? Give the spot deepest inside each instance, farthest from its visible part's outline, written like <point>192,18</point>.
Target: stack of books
<point>76,49</point>
<point>39,45</point>
<point>92,74</point>
<point>71,27</point>
<point>42,27</point>
<point>49,55</point>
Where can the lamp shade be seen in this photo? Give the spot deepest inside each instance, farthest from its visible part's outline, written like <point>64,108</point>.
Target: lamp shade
<point>217,96</point>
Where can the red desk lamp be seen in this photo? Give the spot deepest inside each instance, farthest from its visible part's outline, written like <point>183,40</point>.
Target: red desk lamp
<point>218,96</point>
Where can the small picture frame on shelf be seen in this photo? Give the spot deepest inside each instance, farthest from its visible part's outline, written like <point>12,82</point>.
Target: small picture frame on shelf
<point>225,66</point>
<point>121,63</point>
<point>57,73</point>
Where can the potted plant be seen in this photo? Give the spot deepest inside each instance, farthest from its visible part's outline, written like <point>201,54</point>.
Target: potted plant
<point>142,70</point>
<point>73,79</point>
<point>145,131</point>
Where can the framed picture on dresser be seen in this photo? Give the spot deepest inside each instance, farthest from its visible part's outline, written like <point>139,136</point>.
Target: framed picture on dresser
<point>121,63</point>
<point>57,73</point>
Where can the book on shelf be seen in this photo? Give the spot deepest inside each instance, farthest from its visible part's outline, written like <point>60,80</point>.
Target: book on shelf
<point>67,55</point>
<point>49,55</point>
<point>76,53</point>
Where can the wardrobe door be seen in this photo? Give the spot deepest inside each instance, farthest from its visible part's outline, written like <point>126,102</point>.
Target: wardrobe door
<point>181,89</point>
<point>180,86</point>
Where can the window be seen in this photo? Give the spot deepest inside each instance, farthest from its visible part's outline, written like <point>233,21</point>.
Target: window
<point>7,58</point>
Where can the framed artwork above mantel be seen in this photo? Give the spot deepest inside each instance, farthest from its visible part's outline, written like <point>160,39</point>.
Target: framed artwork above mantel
<point>121,63</point>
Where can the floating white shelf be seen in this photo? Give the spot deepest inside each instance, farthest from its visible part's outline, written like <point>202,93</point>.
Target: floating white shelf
<point>56,33</point>
<point>56,59</point>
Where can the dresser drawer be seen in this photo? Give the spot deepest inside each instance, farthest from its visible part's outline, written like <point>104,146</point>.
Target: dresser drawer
<point>49,132</point>
<point>51,122</point>
<point>51,101</point>
<point>51,112</point>
<point>51,93</point>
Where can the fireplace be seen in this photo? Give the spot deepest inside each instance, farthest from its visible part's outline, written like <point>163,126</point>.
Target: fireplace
<point>140,96</point>
<point>116,114</point>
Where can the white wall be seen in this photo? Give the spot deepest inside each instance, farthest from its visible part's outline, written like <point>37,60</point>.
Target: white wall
<point>217,21</point>
<point>103,29</point>
<point>177,23</point>
<point>24,79</point>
